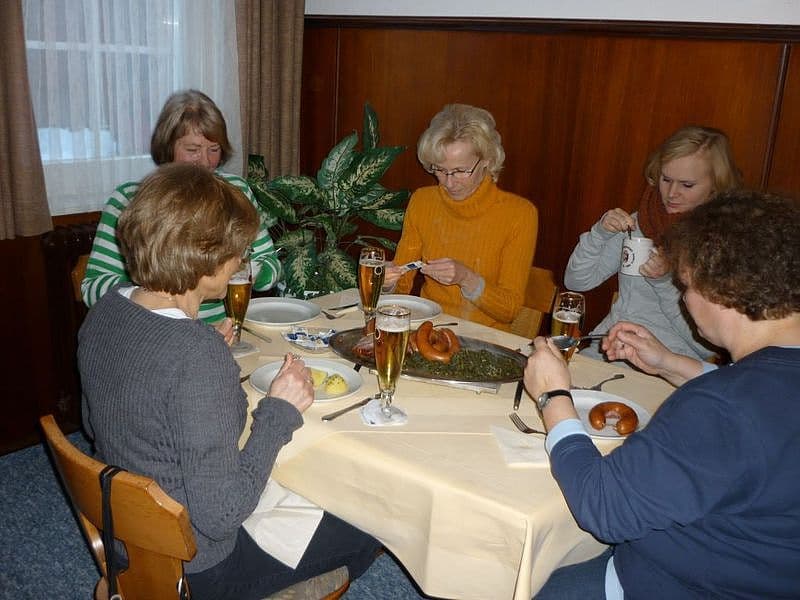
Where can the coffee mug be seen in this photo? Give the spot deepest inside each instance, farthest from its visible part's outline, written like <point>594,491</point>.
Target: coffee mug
<point>635,252</point>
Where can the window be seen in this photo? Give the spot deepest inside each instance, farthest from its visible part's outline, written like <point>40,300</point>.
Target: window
<point>99,72</point>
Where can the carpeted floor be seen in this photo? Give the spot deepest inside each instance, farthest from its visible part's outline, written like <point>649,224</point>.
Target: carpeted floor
<point>43,553</point>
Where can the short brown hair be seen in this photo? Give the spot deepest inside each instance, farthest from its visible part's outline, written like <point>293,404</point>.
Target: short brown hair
<point>741,250</point>
<point>710,143</point>
<point>185,112</point>
<point>183,223</point>
<point>462,123</point>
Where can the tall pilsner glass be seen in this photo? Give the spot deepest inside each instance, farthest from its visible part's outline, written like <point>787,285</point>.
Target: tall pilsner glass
<point>569,311</point>
<point>240,286</point>
<point>392,326</point>
<point>371,264</point>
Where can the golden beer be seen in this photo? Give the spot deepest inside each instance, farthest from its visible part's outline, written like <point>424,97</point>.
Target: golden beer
<point>566,322</point>
<point>390,353</point>
<point>370,281</point>
<point>237,300</point>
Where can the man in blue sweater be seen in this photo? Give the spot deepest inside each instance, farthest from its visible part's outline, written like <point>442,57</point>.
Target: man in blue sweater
<point>705,501</point>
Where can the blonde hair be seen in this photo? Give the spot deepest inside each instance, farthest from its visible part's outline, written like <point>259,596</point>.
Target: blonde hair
<point>185,112</point>
<point>183,223</point>
<point>464,123</point>
<point>712,144</point>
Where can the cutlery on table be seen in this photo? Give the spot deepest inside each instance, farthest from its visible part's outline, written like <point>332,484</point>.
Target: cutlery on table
<point>518,394</point>
<point>338,311</point>
<point>244,378</point>
<point>260,336</point>
<point>565,342</point>
<point>597,386</point>
<point>520,424</point>
<point>346,409</point>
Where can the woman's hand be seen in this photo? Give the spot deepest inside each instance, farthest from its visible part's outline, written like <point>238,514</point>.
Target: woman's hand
<point>391,274</point>
<point>225,329</point>
<point>293,383</point>
<point>655,267</point>
<point>617,220</point>
<point>448,271</point>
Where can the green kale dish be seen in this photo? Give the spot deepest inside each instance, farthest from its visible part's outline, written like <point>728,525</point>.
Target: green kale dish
<point>467,365</point>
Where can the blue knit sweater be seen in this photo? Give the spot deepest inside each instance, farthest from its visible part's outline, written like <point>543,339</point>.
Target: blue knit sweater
<point>162,398</point>
<point>705,501</point>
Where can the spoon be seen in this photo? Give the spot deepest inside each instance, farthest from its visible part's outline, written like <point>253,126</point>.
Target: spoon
<point>565,342</point>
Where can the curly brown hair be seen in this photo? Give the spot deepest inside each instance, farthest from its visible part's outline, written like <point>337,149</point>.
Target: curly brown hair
<point>741,250</point>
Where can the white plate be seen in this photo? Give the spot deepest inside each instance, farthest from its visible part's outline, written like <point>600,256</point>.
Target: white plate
<point>586,399</point>
<point>421,309</point>
<point>262,377</point>
<point>280,311</point>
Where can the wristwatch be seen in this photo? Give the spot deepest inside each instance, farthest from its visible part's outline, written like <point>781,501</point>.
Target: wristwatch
<point>545,398</point>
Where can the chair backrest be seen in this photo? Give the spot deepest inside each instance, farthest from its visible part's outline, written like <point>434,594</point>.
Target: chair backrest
<point>540,293</point>
<point>154,528</point>
<point>77,274</point>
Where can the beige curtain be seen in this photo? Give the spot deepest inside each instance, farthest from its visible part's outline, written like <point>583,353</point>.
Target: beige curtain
<point>270,41</point>
<point>23,199</point>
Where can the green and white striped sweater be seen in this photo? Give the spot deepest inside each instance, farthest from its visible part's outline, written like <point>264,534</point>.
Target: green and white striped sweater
<point>106,267</point>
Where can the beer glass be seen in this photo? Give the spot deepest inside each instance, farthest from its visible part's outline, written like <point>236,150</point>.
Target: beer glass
<point>237,299</point>
<point>392,326</point>
<point>568,314</point>
<point>370,279</point>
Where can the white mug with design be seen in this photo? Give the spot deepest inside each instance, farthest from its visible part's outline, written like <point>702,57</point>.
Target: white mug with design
<point>635,252</point>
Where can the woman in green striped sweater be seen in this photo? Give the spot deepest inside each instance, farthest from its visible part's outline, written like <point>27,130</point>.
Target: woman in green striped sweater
<point>190,129</point>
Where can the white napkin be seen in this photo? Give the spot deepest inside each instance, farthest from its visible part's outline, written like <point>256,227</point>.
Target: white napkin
<point>283,523</point>
<point>521,449</point>
<point>372,415</point>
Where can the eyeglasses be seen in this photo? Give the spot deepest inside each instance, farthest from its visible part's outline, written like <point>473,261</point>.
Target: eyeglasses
<point>455,173</point>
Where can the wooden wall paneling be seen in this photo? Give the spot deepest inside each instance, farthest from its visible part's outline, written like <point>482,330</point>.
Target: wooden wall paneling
<point>784,174</point>
<point>578,113</point>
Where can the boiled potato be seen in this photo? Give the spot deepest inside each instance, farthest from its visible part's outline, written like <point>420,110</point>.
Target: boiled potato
<point>335,384</point>
<point>318,376</point>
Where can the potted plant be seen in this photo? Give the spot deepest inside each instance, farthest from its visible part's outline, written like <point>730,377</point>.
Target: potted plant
<point>314,221</point>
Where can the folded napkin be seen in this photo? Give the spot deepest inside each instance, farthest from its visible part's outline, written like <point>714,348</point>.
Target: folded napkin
<point>283,523</point>
<point>372,415</point>
<point>521,449</point>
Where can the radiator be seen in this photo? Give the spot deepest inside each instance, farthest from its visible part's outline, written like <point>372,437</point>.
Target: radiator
<point>62,247</point>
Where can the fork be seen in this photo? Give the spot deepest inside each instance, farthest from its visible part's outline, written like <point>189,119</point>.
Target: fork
<point>520,424</point>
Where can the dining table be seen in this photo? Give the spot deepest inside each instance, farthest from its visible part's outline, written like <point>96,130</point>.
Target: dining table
<point>438,491</point>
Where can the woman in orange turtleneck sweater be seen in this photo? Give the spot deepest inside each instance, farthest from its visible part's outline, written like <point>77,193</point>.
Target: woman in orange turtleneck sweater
<point>477,241</point>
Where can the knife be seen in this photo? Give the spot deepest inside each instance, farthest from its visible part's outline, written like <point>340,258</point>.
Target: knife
<point>337,308</point>
<point>518,394</point>
<point>346,409</point>
<point>258,335</point>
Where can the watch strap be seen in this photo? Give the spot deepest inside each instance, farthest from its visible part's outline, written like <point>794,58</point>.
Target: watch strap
<point>544,399</point>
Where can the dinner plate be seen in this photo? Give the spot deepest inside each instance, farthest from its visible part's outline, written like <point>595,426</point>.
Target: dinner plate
<point>342,344</point>
<point>278,312</point>
<point>262,377</point>
<point>421,309</point>
<point>586,399</point>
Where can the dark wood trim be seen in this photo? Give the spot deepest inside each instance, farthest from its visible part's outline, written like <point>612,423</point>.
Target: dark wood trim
<point>780,86</point>
<point>660,29</point>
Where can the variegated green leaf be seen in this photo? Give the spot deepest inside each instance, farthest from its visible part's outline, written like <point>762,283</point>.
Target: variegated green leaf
<point>370,136</point>
<point>387,199</point>
<point>340,269</point>
<point>372,166</point>
<point>299,189</point>
<point>298,266</point>
<point>371,240</point>
<point>388,218</point>
<point>274,205</point>
<point>256,170</point>
<point>292,240</point>
<point>337,161</point>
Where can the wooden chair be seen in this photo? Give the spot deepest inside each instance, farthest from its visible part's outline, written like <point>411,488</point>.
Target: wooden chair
<point>154,527</point>
<point>540,294</point>
<point>77,274</point>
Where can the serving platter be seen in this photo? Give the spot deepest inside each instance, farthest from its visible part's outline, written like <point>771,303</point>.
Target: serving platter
<point>342,344</point>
